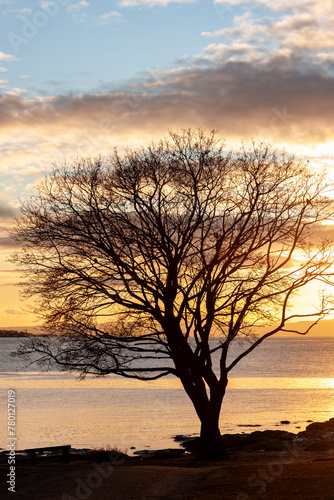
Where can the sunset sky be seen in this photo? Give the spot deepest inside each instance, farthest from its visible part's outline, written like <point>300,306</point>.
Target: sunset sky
<point>80,77</point>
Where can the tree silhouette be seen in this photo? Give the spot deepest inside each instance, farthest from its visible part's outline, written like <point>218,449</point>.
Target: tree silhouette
<point>138,261</point>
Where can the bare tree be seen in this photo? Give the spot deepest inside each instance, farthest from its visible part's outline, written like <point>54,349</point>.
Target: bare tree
<point>139,260</point>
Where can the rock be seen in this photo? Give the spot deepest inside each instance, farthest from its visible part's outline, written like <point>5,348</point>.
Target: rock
<point>181,437</point>
<point>249,425</point>
<point>144,453</point>
<point>258,440</point>
<point>160,454</point>
<point>190,444</point>
<point>321,427</point>
<point>318,436</point>
<point>269,440</point>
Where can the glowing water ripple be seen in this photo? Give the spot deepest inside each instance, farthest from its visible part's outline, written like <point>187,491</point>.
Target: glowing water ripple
<point>285,380</point>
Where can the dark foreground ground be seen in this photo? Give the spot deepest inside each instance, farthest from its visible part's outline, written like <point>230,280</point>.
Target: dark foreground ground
<point>303,475</point>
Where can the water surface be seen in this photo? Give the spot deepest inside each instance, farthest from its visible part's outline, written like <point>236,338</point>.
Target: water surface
<point>283,379</point>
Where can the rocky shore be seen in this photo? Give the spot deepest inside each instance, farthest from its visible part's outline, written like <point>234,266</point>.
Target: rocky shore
<point>318,436</point>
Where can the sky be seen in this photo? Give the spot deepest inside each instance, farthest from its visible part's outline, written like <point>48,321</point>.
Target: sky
<point>78,78</point>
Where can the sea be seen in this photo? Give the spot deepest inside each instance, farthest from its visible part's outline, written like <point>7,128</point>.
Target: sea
<point>284,379</point>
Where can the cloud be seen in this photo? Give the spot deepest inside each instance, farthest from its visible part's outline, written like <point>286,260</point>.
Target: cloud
<point>305,28</point>
<point>7,57</point>
<point>279,99</point>
<point>16,91</point>
<point>6,242</point>
<point>322,232</point>
<point>17,11</point>
<point>15,312</point>
<point>6,212</point>
<point>24,77</point>
<point>273,101</point>
<point>108,17</point>
<point>282,5</point>
<point>45,4</point>
<point>2,82</point>
<point>75,7</point>
<point>10,271</point>
<point>269,77</point>
<point>151,3</point>
<point>3,70</point>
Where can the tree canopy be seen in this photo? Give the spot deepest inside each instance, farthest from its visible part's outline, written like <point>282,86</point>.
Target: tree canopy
<point>146,255</point>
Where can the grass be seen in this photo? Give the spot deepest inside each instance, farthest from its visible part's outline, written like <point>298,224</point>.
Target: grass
<point>104,453</point>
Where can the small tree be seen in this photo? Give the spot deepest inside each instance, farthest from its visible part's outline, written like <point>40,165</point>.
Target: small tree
<point>137,261</point>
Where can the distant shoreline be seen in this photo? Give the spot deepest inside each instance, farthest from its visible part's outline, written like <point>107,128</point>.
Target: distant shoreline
<point>13,333</point>
<point>20,334</point>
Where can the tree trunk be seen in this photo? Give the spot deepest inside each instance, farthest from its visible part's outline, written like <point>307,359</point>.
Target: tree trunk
<point>191,373</point>
<point>211,444</point>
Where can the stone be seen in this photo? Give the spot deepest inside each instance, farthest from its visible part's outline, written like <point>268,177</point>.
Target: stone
<point>321,427</point>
